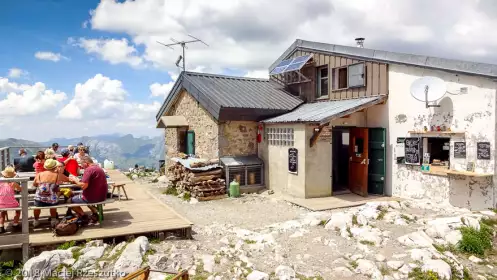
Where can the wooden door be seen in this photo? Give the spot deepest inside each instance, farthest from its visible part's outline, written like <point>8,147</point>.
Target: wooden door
<point>358,161</point>
<point>377,161</point>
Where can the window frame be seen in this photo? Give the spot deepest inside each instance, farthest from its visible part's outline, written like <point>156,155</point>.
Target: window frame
<point>426,148</point>
<point>280,136</point>
<point>319,78</point>
<point>363,75</point>
<point>336,77</point>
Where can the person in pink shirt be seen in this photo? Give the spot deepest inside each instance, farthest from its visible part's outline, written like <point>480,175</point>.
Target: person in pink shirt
<point>40,161</point>
<point>7,198</point>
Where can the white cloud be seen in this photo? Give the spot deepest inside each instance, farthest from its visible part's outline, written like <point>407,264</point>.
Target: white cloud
<point>162,90</point>
<point>23,99</point>
<point>250,35</point>
<point>50,56</point>
<point>112,50</point>
<point>15,73</point>
<point>98,97</point>
<point>258,74</point>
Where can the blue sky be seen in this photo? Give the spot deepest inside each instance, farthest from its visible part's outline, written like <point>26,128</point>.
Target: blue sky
<point>46,25</point>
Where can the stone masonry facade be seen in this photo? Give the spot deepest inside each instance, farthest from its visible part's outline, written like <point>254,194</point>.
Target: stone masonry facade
<point>200,121</point>
<point>238,138</point>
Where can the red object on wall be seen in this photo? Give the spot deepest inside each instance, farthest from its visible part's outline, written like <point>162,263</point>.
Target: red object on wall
<point>259,134</point>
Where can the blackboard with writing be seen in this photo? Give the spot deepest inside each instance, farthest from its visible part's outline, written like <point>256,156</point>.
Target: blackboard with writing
<point>293,161</point>
<point>483,150</point>
<point>459,149</point>
<point>412,150</point>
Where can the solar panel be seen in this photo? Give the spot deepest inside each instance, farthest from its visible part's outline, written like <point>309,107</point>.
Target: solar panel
<point>284,63</point>
<point>291,65</point>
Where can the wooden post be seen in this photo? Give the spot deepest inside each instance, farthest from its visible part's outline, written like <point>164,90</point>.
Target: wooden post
<point>2,158</point>
<point>7,156</point>
<point>25,222</point>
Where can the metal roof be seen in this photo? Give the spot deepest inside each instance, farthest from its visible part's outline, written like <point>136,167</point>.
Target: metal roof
<point>451,65</point>
<point>322,112</point>
<point>214,92</point>
<point>240,160</point>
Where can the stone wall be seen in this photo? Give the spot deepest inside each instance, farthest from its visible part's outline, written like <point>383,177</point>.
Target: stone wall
<point>237,138</point>
<point>200,121</point>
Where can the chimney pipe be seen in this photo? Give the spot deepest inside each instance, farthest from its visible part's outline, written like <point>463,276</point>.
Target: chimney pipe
<point>360,42</point>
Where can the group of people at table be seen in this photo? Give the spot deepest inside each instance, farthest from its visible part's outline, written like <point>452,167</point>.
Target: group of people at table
<point>53,169</point>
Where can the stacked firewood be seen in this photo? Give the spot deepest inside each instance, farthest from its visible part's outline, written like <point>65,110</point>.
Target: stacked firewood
<point>198,183</point>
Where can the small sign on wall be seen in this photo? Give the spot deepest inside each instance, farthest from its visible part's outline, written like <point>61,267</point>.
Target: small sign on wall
<point>293,160</point>
<point>412,150</point>
<point>459,149</point>
<point>483,150</point>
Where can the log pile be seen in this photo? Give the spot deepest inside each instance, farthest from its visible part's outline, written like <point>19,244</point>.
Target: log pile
<point>199,183</point>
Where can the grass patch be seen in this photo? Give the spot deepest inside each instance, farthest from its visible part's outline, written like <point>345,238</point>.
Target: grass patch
<point>382,213</point>
<point>77,253</point>
<point>354,220</point>
<point>155,181</point>
<point>384,270</point>
<point>186,196</point>
<point>366,242</point>
<point>116,255</point>
<point>354,264</point>
<point>66,245</point>
<point>154,240</point>
<point>217,259</point>
<point>171,191</point>
<point>323,222</point>
<point>418,274</point>
<point>476,241</point>
<point>349,232</point>
<point>445,248</point>
<point>148,253</point>
<point>248,241</point>
<point>407,218</point>
<point>489,222</point>
<point>13,268</point>
<point>303,277</point>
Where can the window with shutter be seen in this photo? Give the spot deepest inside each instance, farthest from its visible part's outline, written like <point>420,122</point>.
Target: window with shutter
<point>356,75</point>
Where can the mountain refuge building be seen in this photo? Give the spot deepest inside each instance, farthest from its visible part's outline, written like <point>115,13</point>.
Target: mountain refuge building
<point>335,119</point>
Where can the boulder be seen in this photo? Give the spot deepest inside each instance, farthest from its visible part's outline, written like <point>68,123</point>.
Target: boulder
<point>193,200</point>
<point>416,239</point>
<point>284,272</point>
<point>395,265</point>
<point>366,267</point>
<point>394,204</point>
<point>258,275</point>
<point>453,237</point>
<point>90,256</point>
<point>132,256</point>
<point>475,259</point>
<point>157,262</point>
<point>380,258</point>
<point>208,261</point>
<point>339,220</point>
<point>117,249</point>
<point>438,266</point>
<point>42,265</point>
<point>421,254</point>
<point>342,271</point>
<point>437,230</point>
<point>471,222</point>
<point>162,179</point>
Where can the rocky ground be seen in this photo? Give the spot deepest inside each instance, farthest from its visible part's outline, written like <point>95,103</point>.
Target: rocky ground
<point>263,237</point>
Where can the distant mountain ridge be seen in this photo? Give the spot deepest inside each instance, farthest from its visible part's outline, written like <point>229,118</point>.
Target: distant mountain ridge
<point>124,150</point>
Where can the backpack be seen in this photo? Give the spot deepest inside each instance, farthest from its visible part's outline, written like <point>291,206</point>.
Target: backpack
<point>67,226</point>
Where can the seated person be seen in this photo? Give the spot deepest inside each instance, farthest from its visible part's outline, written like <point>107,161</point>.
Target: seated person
<point>24,163</point>
<point>70,164</point>
<point>94,185</point>
<point>81,153</point>
<point>50,154</point>
<point>47,190</point>
<point>7,198</point>
<point>55,148</point>
<point>40,161</point>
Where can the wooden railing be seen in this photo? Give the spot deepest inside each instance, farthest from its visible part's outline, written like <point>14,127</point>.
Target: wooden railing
<point>19,240</point>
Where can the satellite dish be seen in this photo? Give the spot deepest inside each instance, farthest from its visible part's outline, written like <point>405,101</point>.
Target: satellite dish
<point>428,89</point>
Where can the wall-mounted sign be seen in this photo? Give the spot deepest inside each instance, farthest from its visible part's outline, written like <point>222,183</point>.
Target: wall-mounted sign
<point>413,150</point>
<point>293,160</point>
<point>459,149</point>
<point>483,150</point>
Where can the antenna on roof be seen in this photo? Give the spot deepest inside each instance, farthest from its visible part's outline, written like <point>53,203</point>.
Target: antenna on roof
<point>183,46</point>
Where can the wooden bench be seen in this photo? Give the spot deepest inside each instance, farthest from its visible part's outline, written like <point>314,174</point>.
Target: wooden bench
<point>100,209</point>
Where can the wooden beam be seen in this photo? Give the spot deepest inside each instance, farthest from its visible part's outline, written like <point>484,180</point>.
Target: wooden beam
<point>315,134</point>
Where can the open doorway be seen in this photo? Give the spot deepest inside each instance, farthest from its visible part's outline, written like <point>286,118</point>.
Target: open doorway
<point>340,160</point>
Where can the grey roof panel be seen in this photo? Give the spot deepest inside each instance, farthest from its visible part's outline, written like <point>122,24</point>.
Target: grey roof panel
<point>321,111</point>
<point>216,92</point>
<point>453,65</point>
<point>240,160</point>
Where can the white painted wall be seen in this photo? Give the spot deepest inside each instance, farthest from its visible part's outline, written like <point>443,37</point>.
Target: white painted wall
<point>473,113</point>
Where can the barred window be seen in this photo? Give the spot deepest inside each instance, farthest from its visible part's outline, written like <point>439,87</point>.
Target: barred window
<point>280,136</point>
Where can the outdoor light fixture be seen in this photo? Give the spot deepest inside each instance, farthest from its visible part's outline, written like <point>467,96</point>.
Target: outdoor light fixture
<point>179,60</point>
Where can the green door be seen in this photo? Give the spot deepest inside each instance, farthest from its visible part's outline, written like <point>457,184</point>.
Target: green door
<point>377,161</point>
<point>190,142</point>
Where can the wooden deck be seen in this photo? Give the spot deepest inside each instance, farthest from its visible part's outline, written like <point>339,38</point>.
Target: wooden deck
<point>141,214</point>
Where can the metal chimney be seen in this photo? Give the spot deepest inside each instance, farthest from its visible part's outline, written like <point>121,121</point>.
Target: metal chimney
<point>360,42</point>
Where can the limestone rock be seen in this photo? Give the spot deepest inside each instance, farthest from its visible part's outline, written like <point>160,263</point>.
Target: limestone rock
<point>453,237</point>
<point>42,265</point>
<point>439,266</point>
<point>193,200</point>
<point>162,179</point>
<point>339,220</point>
<point>471,222</point>
<point>158,261</point>
<point>208,261</point>
<point>475,259</point>
<point>284,272</point>
<point>416,239</point>
<point>131,258</point>
<point>380,258</point>
<point>342,271</point>
<point>366,267</point>
<point>258,275</point>
<point>394,204</point>
<point>90,256</point>
<point>119,247</point>
<point>488,213</point>
<point>395,264</point>
<point>421,255</point>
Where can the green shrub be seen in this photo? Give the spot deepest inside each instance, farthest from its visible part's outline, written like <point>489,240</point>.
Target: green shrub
<point>476,241</point>
<point>66,245</point>
<point>418,274</point>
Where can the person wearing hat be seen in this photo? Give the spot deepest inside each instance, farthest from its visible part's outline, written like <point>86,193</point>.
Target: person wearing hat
<point>47,189</point>
<point>7,198</point>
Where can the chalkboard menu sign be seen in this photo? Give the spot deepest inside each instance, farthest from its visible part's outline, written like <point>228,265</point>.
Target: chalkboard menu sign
<point>413,150</point>
<point>483,150</point>
<point>293,161</point>
<point>459,149</point>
